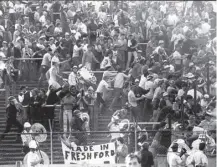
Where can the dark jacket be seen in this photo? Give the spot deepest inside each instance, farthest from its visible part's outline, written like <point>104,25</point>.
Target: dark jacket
<point>27,99</point>
<point>11,112</point>
<point>146,158</point>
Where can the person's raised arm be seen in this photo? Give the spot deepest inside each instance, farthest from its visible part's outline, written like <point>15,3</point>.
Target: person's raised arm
<point>94,58</point>
<point>126,76</point>
<point>115,113</point>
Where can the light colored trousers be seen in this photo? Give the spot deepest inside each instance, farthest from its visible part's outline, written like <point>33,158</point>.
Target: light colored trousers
<point>67,120</point>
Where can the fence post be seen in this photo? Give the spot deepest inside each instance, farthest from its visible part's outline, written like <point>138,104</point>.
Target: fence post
<point>195,97</point>
<point>208,82</point>
<point>95,116</point>
<point>182,112</point>
<point>51,142</point>
<point>135,133</point>
<point>7,90</point>
<point>170,126</point>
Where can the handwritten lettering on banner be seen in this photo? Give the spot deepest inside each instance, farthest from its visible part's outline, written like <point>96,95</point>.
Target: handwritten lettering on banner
<point>94,154</point>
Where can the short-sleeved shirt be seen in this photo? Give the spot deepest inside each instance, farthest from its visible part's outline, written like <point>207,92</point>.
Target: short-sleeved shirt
<point>174,160</point>
<point>46,60</point>
<point>142,82</point>
<point>119,80</point>
<point>76,50</point>
<point>132,99</point>
<point>102,86</point>
<point>199,158</point>
<point>149,85</point>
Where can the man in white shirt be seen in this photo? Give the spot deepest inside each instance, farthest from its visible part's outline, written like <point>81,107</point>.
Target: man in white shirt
<point>102,15</point>
<point>81,27</point>
<point>182,91</point>
<point>143,79</point>
<point>76,53</point>
<point>52,44</point>
<point>24,98</point>
<point>174,158</point>
<point>101,89</point>
<point>132,100</point>
<point>149,85</point>
<point>205,27</point>
<point>198,158</point>
<point>76,34</point>
<point>42,19</point>
<point>37,14</point>
<point>73,79</point>
<point>114,126</point>
<point>118,86</point>
<point>45,65</point>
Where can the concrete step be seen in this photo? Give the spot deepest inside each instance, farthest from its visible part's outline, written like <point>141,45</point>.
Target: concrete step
<point>11,151</point>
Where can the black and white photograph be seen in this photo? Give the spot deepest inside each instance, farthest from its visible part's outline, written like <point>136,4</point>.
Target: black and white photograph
<point>108,83</point>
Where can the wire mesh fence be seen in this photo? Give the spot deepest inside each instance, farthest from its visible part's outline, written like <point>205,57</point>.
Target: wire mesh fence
<point>159,142</point>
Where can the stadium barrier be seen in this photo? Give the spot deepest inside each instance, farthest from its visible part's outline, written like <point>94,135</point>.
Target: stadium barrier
<point>54,143</point>
<point>160,159</point>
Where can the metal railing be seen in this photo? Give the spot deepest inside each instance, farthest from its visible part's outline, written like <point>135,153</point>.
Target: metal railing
<point>93,138</point>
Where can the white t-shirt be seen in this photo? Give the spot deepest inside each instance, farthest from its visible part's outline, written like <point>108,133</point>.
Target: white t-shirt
<point>53,47</point>
<point>172,19</point>
<point>43,20</point>
<point>48,5</point>
<point>180,93</point>
<point>58,30</point>
<point>19,8</point>
<point>119,80</point>
<point>102,87</point>
<point>142,82</point>
<point>177,57</point>
<point>149,85</point>
<point>195,144</point>
<point>185,29</point>
<point>46,59</point>
<point>77,35</point>
<point>76,50</point>
<point>106,62</point>
<point>55,58</point>
<point>163,8</point>
<point>205,27</point>
<point>199,158</point>
<point>174,160</point>
<point>84,48</point>
<point>102,17</point>
<point>132,98</point>
<point>72,79</point>
<point>33,157</point>
<point>82,27</point>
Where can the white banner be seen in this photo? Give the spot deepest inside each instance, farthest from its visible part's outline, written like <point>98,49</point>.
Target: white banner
<point>93,154</point>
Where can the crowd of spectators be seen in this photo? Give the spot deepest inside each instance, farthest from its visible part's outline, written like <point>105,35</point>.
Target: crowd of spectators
<point>164,55</point>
